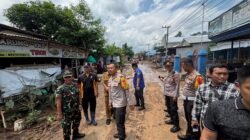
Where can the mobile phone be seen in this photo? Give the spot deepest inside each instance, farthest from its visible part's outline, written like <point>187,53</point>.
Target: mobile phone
<point>195,128</point>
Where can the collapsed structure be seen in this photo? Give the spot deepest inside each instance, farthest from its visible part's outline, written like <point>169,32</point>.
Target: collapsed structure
<point>30,59</point>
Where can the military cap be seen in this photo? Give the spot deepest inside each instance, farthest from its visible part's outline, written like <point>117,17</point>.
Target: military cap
<point>67,74</point>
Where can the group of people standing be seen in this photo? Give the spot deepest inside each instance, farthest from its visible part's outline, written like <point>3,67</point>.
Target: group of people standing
<point>208,105</point>
<point>72,97</point>
<point>214,109</point>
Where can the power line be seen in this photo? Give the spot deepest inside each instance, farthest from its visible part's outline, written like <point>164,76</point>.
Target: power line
<point>182,14</point>
<point>199,16</point>
<point>186,19</point>
<point>190,16</point>
<point>207,13</point>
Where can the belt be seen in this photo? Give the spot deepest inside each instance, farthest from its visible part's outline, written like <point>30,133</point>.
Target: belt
<point>188,98</point>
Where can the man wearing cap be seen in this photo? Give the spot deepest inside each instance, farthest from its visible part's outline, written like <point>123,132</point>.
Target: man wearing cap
<point>88,93</point>
<point>171,81</point>
<point>69,107</point>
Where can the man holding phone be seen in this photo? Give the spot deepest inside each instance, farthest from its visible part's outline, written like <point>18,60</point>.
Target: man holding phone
<point>171,81</point>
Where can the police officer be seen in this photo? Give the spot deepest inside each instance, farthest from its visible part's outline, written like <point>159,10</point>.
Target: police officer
<point>192,81</point>
<point>88,93</point>
<point>118,98</point>
<point>69,107</point>
<point>171,82</point>
<point>105,79</point>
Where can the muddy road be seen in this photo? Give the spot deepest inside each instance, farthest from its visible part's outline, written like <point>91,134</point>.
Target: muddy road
<point>140,125</point>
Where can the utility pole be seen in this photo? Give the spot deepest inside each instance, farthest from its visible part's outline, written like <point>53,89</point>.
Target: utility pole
<point>166,37</point>
<point>202,22</point>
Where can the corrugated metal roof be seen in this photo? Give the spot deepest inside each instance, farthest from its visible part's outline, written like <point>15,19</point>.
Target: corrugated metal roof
<point>197,39</point>
<point>175,39</point>
<point>5,27</point>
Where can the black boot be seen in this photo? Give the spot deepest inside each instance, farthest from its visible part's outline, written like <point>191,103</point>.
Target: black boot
<point>167,115</point>
<point>93,119</point>
<point>169,122</point>
<point>66,138</point>
<point>116,136</point>
<point>86,115</point>
<point>77,135</point>
<point>175,129</point>
<point>184,137</point>
<point>141,108</point>
<point>108,121</point>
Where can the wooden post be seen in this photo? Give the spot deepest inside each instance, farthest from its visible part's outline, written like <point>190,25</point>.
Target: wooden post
<point>4,123</point>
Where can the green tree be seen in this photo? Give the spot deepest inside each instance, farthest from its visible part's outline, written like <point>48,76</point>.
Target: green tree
<point>72,25</point>
<point>179,34</point>
<point>113,50</point>
<point>92,34</point>
<point>128,51</point>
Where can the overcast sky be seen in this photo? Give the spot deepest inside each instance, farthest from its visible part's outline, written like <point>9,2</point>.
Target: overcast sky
<point>139,22</point>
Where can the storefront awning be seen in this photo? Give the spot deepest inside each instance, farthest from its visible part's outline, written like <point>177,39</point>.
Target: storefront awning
<point>227,45</point>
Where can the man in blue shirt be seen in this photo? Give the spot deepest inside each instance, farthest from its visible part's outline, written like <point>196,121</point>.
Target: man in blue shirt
<point>139,85</point>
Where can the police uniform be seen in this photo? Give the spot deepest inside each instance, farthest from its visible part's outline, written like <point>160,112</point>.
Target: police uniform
<point>171,82</point>
<point>119,98</point>
<point>192,82</point>
<point>70,108</point>
<point>105,79</point>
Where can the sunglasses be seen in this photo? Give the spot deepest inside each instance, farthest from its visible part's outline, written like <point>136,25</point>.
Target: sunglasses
<point>67,77</point>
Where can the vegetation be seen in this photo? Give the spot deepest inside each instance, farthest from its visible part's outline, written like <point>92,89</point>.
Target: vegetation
<point>72,25</point>
<point>199,33</point>
<point>179,34</point>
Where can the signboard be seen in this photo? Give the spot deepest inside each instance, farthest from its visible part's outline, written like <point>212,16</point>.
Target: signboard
<point>237,16</point>
<point>22,48</point>
<point>69,52</point>
<point>227,20</point>
<point>241,13</point>
<point>54,50</point>
<point>215,26</point>
<point>14,54</point>
<point>81,54</point>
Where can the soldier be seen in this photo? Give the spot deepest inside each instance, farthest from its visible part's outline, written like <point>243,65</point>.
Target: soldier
<point>171,82</point>
<point>69,107</point>
<point>105,79</point>
<point>88,93</point>
<point>192,81</point>
<point>118,98</point>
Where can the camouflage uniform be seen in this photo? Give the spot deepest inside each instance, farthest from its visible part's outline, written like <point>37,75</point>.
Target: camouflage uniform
<point>70,108</point>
